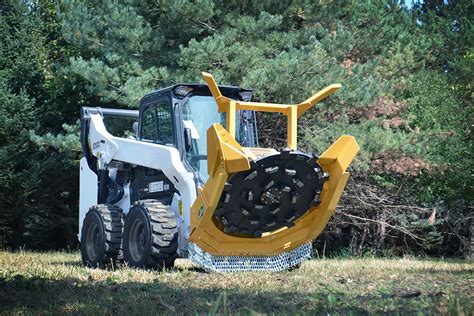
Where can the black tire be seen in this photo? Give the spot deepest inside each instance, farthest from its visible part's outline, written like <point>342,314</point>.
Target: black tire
<point>150,236</point>
<point>101,237</point>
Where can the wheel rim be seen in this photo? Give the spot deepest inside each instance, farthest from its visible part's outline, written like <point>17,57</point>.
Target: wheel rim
<point>93,241</point>
<point>137,240</point>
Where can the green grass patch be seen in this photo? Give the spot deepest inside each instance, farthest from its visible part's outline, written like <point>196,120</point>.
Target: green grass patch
<point>56,283</point>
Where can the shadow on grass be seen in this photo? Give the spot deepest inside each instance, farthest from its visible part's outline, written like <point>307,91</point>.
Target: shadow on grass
<point>38,295</point>
<point>119,266</point>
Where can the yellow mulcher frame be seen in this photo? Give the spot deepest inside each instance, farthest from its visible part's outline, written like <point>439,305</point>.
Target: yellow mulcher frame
<point>226,156</point>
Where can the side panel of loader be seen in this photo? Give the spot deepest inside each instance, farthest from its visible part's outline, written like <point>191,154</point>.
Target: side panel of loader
<point>87,191</point>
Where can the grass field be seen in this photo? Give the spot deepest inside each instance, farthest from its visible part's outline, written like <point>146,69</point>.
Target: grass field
<point>56,283</point>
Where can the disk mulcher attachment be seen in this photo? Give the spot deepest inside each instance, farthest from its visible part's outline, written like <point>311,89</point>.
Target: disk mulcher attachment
<point>261,209</point>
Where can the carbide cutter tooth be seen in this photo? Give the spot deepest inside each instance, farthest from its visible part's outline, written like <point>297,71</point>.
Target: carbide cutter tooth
<point>285,154</point>
<point>227,198</point>
<point>275,211</point>
<point>315,200</point>
<point>269,185</point>
<point>230,229</point>
<point>244,211</point>
<point>290,172</point>
<point>224,220</point>
<point>227,187</point>
<point>250,196</point>
<point>294,198</point>
<point>251,175</point>
<point>271,170</point>
<point>298,182</point>
<point>286,189</point>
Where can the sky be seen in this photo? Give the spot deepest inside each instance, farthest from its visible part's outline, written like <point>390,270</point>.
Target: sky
<point>408,3</point>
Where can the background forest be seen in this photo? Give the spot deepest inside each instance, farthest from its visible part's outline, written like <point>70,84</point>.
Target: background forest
<point>407,97</point>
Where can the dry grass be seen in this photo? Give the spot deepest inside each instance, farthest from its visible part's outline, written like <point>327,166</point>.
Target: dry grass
<point>57,283</point>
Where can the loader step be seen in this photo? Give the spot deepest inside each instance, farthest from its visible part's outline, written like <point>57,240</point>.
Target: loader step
<point>275,192</point>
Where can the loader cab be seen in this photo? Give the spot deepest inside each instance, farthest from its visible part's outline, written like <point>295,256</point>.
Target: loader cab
<point>180,115</point>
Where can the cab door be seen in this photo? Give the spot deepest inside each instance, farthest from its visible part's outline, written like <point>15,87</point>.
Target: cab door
<point>156,125</point>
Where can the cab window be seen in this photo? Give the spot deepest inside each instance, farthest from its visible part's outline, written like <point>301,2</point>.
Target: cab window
<point>156,123</point>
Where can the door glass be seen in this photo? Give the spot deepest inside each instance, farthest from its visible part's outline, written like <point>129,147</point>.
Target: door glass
<point>149,131</point>
<point>165,126</point>
<point>199,113</point>
<point>156,123</point>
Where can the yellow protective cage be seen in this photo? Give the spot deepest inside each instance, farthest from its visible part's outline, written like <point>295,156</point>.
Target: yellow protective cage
<point>226,156</point>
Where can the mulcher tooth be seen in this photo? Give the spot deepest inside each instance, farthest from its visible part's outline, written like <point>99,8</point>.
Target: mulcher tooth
<point>230,229</point>
<point>290,172</point>
<point>312,162</point>
<point>224,220</point>
<point>250,196</point>
<point>275,211</point>
<point>227,187</point>
<point>251,175</point>
<point>298,182</point>
<point>271,170</point>
<point>315,200</point>
<point>286,189</point>
<point>269,185</point>
<point>270,224</point>
<point>226,197</point>
<point>259,207</point>
<point>294,197</point>
<point>285,154</point>
<point>244,211</point>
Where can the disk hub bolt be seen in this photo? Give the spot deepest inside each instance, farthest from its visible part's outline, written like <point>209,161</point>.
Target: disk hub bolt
<point>271,196</point>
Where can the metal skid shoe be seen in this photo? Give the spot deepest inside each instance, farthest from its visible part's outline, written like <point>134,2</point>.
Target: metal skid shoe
<point>262,211</point>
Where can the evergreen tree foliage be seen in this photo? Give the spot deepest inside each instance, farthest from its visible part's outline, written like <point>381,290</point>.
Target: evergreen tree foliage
<point>406,97</point>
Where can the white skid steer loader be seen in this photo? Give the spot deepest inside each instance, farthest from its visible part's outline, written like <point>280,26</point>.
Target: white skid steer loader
<point>193,183</point>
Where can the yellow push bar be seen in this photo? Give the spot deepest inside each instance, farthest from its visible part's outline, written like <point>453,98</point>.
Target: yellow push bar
<point>291,111</point>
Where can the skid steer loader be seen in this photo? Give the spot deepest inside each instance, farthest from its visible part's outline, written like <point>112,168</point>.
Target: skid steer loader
<point>192,182</point>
